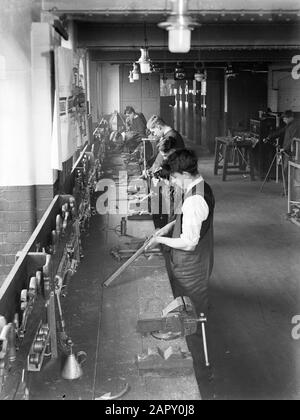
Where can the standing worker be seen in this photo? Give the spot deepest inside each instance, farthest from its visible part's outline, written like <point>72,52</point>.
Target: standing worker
<point>157,126</point>
<point>165,195</point>
<point>290,131</point>
<point>190,260</point>
<point>191,242</point>
<point>135,128</point>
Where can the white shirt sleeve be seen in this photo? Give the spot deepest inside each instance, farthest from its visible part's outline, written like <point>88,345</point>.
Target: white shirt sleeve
<point>195,211</point>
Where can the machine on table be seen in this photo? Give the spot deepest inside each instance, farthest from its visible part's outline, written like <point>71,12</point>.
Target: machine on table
<point>234,155</point>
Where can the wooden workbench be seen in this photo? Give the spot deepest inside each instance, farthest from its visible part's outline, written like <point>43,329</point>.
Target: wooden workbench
<point>102,321</point>
<point>142,291</point>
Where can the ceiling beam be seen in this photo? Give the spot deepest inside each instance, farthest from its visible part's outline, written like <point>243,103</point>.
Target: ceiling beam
<point>211,36</point>
<point>207,56</point>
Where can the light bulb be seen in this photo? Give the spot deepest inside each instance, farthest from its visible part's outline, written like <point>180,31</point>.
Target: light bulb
<point>131,79</point>
<point>144,61</point>
<point>179,39</point>
<point>198,76</point>
<point>145,67</point>
<point>135,72</point>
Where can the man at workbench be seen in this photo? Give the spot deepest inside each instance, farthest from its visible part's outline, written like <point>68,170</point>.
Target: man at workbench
<point>162,131</point>
<point>160,219</point>
<point>191,238</point>
<point>135,128</point>
<point>190,260</point>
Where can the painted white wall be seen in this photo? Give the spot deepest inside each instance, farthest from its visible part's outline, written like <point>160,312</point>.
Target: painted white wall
<point>109,88</point>
<point>25,101</point>
<point>43,40</point>
<point>16,142</point>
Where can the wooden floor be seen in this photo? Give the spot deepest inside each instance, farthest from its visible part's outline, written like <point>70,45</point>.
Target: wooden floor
<point>254,293</point>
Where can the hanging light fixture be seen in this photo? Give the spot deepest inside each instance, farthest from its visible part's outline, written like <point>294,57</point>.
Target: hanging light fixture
<point>179,25</point>
<point>135,71</point>
<point>130,77</point>
<point>200,74</point>
<point>204,84</point>
<point>144,60</point>
<point>230,72</point>
<point>179,73</point>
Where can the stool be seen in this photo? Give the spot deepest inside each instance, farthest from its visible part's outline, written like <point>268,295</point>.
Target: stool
<point>234,155</point>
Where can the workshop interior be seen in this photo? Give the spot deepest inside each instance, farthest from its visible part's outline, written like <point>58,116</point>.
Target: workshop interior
<point>88,307</point>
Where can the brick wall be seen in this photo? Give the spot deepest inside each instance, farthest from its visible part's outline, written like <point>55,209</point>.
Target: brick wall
<point>21,208</point>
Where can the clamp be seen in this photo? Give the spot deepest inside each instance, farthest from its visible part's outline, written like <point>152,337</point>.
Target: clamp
<point>179,319</point>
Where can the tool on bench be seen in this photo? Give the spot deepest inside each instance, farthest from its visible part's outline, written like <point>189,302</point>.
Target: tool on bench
<point>72,368</point>
<point>133,258</point>
<point>172,358</point>
<point>109,396</point>
<point>123,254</point>
<point>179,320</point>
<point>22,391</point>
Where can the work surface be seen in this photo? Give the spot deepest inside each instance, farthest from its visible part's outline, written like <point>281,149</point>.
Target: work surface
<point>102,322</point>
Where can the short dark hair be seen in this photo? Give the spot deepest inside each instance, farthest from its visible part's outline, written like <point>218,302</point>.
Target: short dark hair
<point>182,160</point>
<point>155,121</point>
<point>129,110</point>
<point>167,144</point>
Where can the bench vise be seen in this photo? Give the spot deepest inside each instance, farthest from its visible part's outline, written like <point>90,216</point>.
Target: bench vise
<point>179,320</point>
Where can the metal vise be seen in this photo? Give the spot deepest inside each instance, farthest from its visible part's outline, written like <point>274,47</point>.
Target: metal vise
<point>179,318</point>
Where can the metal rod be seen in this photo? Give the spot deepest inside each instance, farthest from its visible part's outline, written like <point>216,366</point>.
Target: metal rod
<point>204,344</point>
<point>80,157</point>
<point>133,258</point>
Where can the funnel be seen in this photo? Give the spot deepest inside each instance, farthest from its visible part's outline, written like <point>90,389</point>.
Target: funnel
<point>72,368</point>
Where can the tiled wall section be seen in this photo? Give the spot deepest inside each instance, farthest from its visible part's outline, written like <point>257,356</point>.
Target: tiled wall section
<point>21,208</point>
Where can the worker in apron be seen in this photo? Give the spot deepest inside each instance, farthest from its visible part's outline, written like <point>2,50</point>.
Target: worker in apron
<point>190,240</point>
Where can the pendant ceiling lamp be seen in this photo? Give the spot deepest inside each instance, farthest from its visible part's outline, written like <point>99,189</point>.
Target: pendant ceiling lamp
<point>179,25</point>
<point>135,71</point>
<point>144,60</point>
<point>179,73</point>
<point>130,77</point>
<point>199,75</point>
<point>230,72</point>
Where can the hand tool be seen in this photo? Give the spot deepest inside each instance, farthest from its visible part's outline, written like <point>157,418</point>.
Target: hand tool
<point>122,254</point>
<point>109,397</point>
<point>133,258</point>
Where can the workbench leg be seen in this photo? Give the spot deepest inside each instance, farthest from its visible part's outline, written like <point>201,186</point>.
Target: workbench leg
<point>226,151</point>
<point>240,156</point>
<point>251,163</point>
<point>217,155</point>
